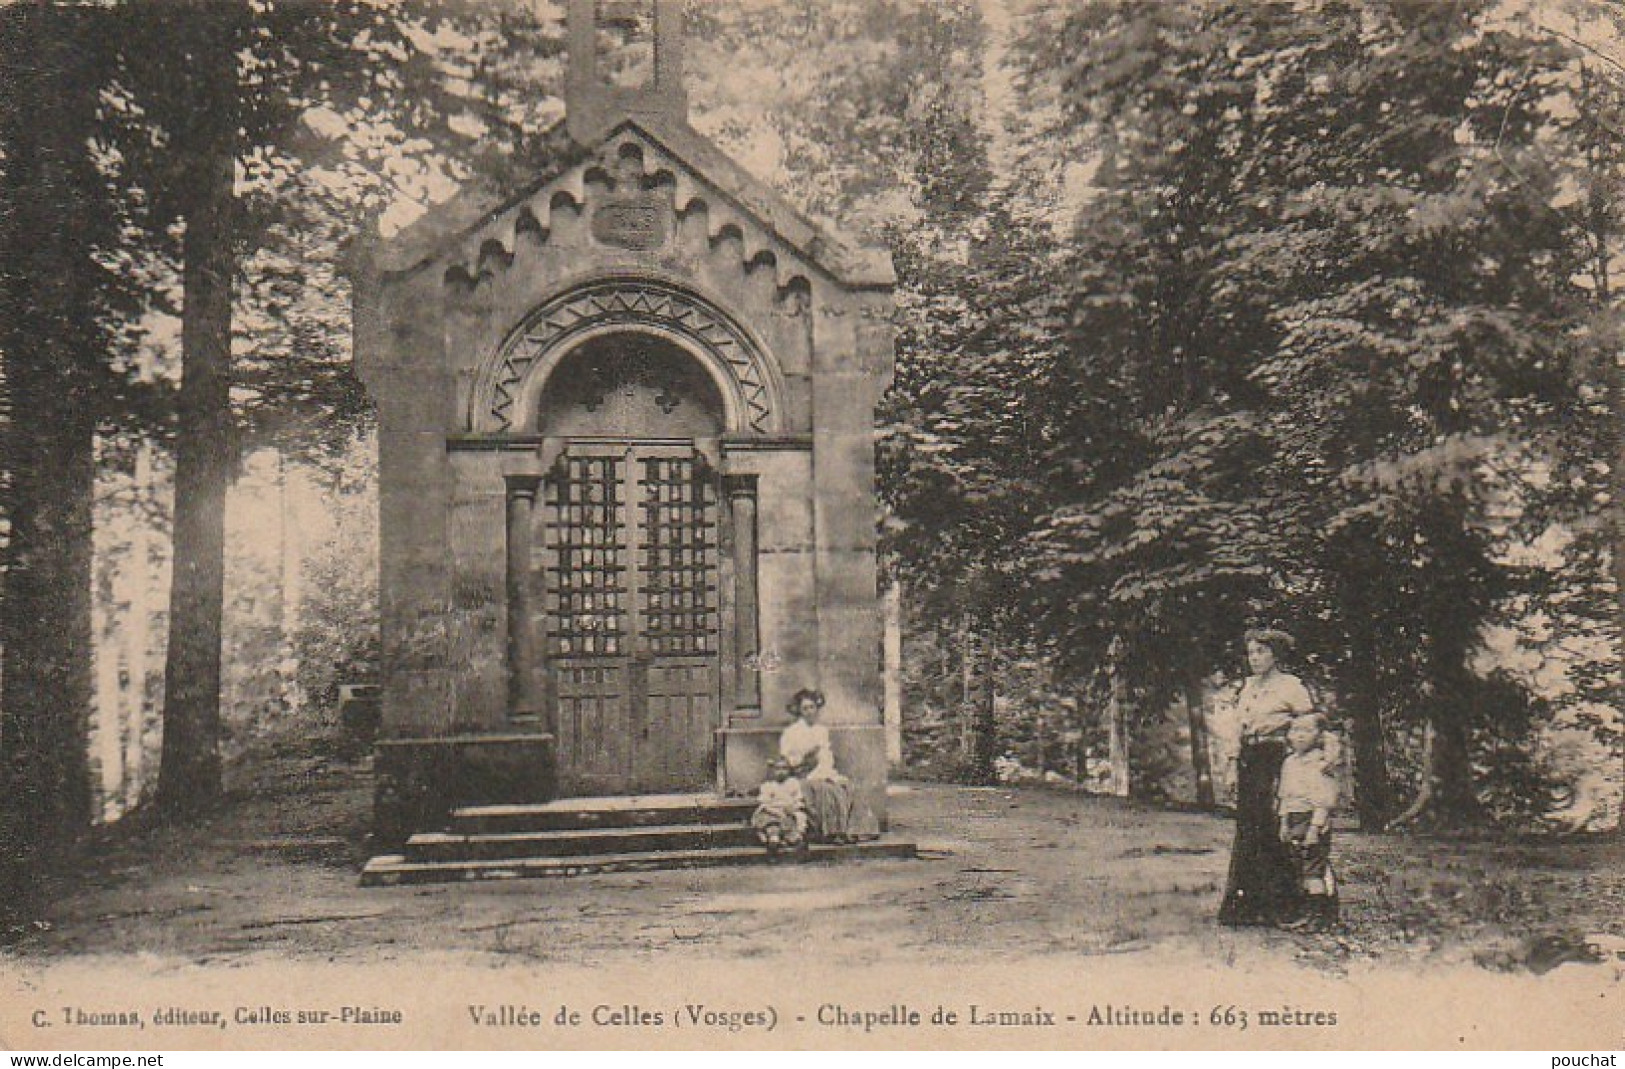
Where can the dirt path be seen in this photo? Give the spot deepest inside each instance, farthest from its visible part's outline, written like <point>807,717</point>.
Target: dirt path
<point>1008,874</point>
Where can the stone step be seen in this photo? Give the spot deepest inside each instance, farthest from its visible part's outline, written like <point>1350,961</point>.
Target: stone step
<point>396,869</point>
<point>630,811</point>
<point>573,842</point>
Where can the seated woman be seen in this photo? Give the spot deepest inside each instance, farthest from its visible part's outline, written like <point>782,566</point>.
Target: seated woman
<point>835,813</point>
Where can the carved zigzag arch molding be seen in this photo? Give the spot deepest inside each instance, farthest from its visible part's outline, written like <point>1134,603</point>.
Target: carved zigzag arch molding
<point>506,390</point>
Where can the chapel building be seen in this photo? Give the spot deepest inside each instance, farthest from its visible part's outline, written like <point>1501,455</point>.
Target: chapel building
<point>626,464</point>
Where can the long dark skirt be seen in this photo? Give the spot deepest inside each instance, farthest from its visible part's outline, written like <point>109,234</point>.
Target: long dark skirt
<point>1263,886</point>
<point>835,812</point>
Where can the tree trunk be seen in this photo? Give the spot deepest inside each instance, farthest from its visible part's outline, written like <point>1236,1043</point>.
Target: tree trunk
<point>52,342</point>
<point>1117,722</point>
<point>1424,791</point>
<point>1201,761</point>
<point>189,768</point>
<point>1080,748</point>
<point>1455,797</point>
<point>1616,406</point>
<point>1601,151</point>
<point>892,674</point>
<point>110,712</point>
<point>1373,797</point>
<point>290,603</point>
<point>137,633</point>
<point>967,691</point>
<point>1454,802</point>
<point>984,728</point>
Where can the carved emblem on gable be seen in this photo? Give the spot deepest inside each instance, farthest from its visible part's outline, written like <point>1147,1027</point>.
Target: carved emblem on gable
<point>628,302</point>
<point>632,223</point>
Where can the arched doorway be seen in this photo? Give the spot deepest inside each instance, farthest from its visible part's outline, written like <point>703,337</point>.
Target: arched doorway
<point>629,532</point>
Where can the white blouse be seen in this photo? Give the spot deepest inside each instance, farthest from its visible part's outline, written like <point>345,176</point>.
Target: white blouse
<point>801,739</point>
<point>1267,703</point>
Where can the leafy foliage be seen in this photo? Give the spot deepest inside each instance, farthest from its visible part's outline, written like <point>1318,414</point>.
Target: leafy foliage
<point>1324,292</point>
<point>1210,313</point>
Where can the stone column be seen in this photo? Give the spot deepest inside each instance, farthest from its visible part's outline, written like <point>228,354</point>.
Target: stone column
<point>851,363</point>
<point>525,704</point>
<point>741,493</point>
<point>844,392</point>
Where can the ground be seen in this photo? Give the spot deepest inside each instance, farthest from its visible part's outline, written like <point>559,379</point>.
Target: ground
<point>1010,874</point>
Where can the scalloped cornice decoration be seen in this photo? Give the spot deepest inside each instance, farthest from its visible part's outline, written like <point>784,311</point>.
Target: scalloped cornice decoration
<point>627,160</point>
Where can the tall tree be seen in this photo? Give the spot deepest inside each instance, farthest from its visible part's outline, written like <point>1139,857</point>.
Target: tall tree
<point>54,341</point>
<point>226,130</point>
<point>1433,348</point>
<point>1152,552</point>
<point>208,37</point>
<point>1597,135</point>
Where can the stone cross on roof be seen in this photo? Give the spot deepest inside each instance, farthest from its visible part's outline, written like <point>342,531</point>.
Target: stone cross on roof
<point>626,60</point>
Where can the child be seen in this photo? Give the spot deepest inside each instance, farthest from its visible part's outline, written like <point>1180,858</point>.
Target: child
<point>780,819</point>
<point>1305,800</point>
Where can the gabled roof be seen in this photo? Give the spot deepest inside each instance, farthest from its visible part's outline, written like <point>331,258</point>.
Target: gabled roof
<point>445,226</point>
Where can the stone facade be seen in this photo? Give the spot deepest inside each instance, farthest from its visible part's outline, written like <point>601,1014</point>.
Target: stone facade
<point>643,376</point>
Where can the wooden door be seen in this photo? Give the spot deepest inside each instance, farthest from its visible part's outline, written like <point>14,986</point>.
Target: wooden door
<point>632,619</point>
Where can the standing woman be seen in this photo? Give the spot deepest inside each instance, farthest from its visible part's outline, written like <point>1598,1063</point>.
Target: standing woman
<point>835,813</point>
<point>1263,886</point>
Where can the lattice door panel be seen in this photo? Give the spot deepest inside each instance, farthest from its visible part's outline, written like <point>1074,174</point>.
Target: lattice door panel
<point>587,577</point>
<point>631,618</point>
<point>678,617</point>
<point>585,619</point>
<point>678,557</point>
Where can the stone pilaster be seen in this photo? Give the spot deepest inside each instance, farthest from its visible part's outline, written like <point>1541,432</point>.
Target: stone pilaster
<point>741,493</point>
<point>525,702</point>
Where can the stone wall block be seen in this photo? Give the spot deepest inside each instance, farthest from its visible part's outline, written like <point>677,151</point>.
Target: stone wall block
<point>410,311</point>
<point>876,341</point>
<point>413,463</point>
<point>851,657</point>
<point>844,402</point>
<point>421,403</point>
<point>798,404</point>
<point>420,781</point>
<point>784,514</point>
<point>478,680</point>
<point>846,504</point>
<point>417,701</point>
<point>786,332</point>
<point>788,625</point>
<point>478,533</point>
<point>835,336</point>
